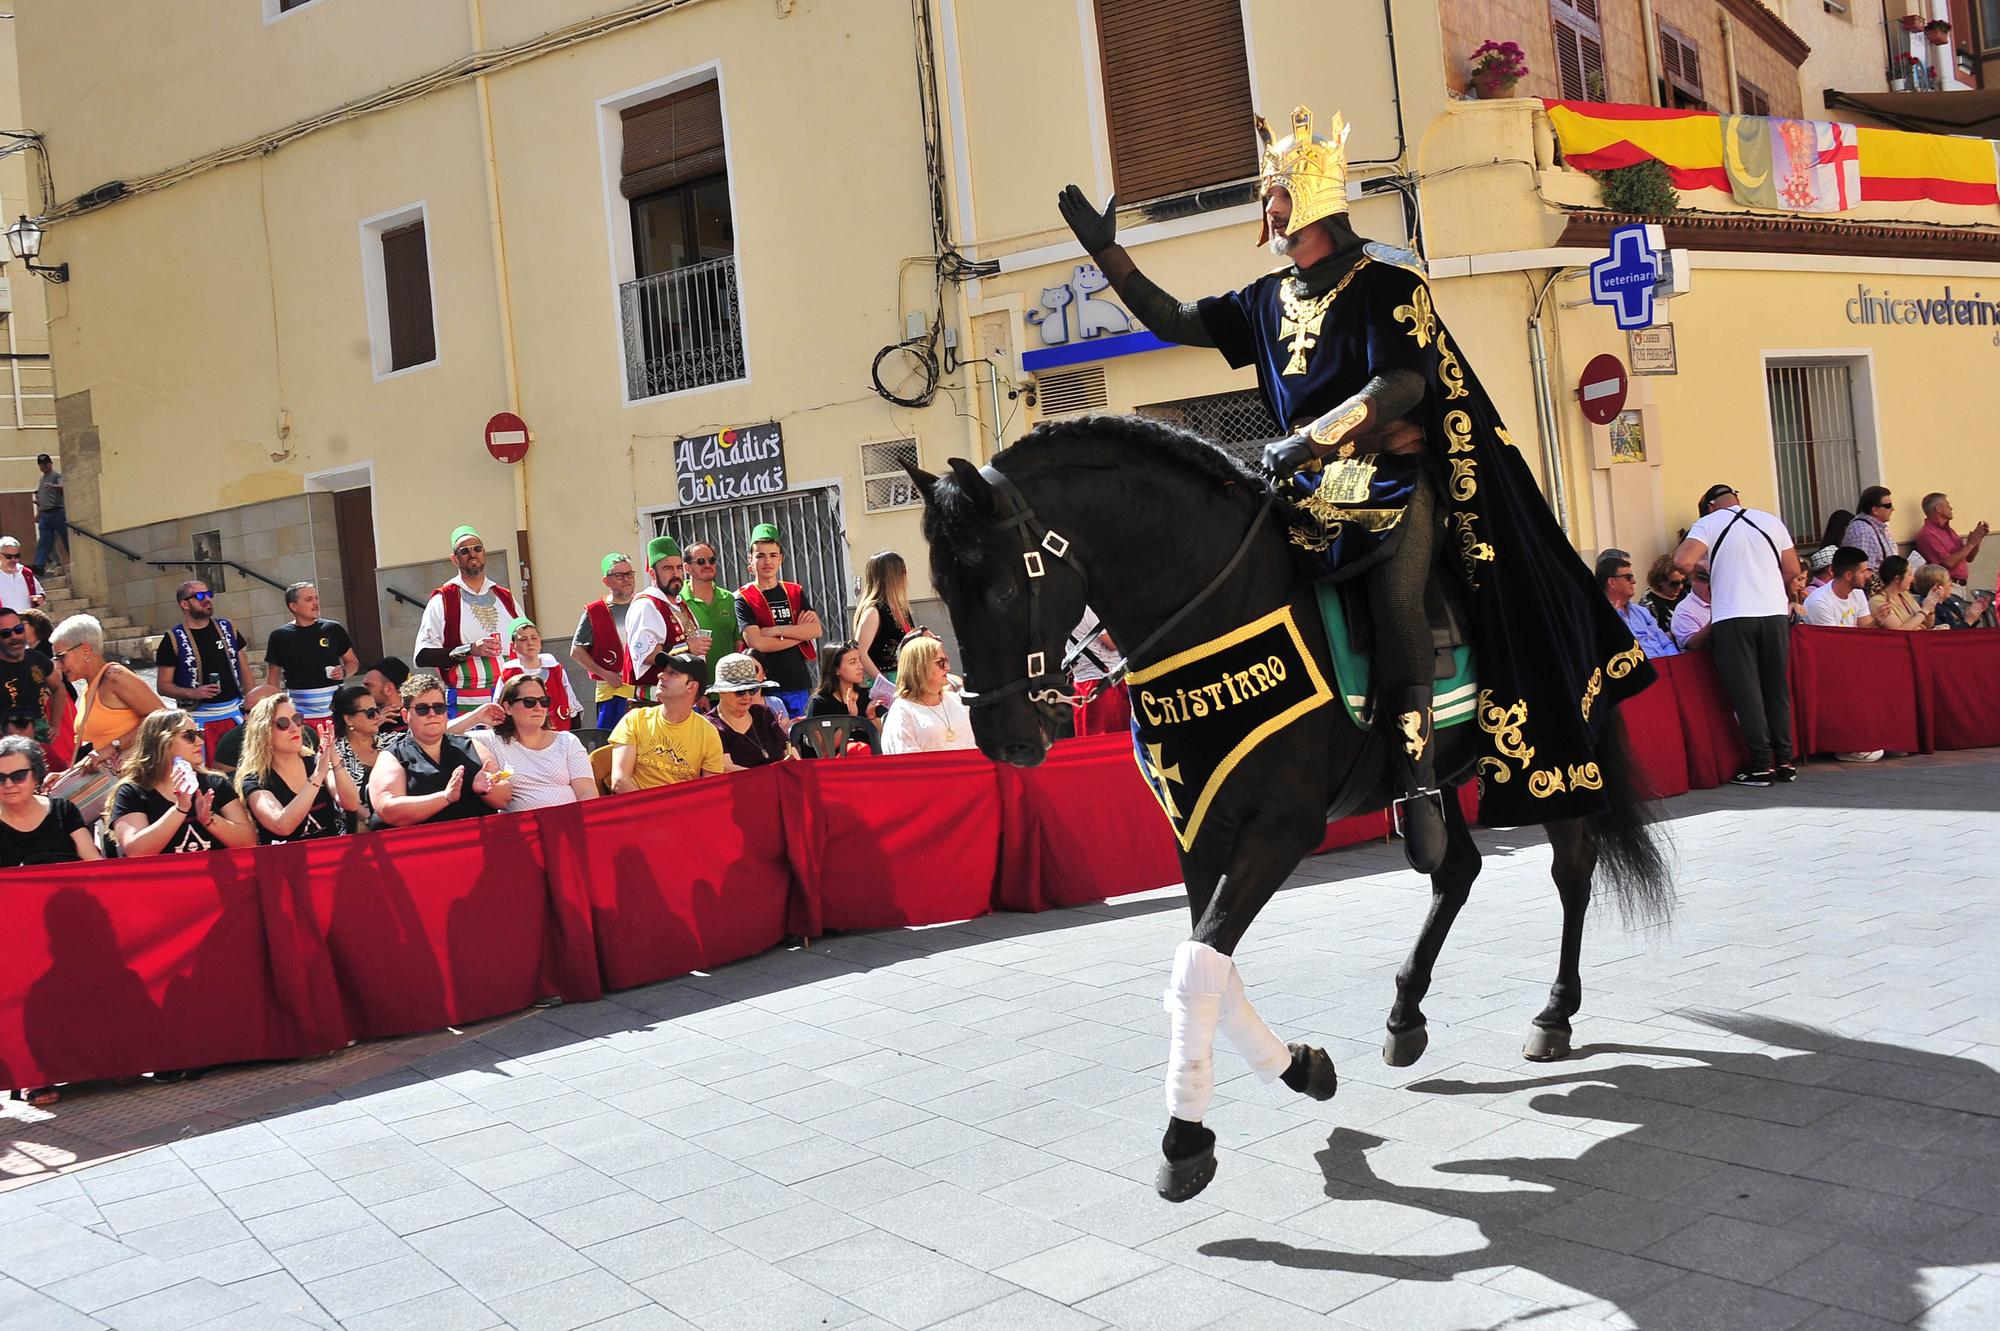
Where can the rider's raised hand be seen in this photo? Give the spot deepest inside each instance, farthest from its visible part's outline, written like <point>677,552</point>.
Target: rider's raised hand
<point>1095,231</point>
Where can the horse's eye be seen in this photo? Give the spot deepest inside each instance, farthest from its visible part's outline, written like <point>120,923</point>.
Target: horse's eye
<point>1005,593</point>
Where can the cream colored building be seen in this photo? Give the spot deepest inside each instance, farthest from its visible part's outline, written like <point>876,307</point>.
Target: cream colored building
<point>27,394</point>
<point>246,378</point>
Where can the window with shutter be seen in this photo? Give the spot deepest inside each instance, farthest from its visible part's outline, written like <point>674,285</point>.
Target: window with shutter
<point>674,140</point>
<point>406,284</point>
<point>1176,95</point>
<point>1579,49</point>
<point>1753,99</point>
<point>1680,64</point>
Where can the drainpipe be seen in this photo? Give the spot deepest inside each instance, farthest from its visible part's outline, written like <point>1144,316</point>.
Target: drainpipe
<point>509,362</point>
<point>1546,423</point>
<point>1729,60</point>
<point>1650,39</point>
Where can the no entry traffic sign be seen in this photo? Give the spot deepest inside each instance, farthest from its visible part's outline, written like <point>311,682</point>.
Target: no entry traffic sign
<point>507,437</point>
<point>1602,389</point>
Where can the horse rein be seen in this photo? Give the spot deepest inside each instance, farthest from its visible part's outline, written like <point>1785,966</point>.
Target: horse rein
<point>1054,688</point>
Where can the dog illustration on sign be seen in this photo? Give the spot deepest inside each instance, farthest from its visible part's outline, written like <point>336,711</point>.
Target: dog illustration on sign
<point>1094,317</point>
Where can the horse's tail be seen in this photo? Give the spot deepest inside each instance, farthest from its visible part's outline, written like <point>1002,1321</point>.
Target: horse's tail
<point>1632,852</point>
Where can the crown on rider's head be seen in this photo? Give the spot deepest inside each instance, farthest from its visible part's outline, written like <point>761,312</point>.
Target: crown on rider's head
<point>1312,170</point>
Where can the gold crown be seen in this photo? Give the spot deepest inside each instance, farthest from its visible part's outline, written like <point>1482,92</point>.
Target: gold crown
<point>1312,170</point>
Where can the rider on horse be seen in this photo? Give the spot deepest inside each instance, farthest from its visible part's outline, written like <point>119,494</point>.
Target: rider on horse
<point>1394,445</point>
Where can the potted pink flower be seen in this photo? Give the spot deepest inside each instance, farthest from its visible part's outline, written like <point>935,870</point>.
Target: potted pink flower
<point>1938,31</point>
<point>1496,68</point>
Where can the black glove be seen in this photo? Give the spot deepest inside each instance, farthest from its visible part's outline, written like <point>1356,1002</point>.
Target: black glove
<point>1284,456</point>
<point>1095,231</point>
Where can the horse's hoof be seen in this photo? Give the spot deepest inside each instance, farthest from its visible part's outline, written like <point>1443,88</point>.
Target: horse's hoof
<point>1179,1180</point>
<point>1321,1081</point>
<point>1546,1046</point>
<point>1403,1048</point>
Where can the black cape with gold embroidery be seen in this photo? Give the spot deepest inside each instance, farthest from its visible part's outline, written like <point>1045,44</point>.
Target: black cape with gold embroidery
<point>1551,652</point>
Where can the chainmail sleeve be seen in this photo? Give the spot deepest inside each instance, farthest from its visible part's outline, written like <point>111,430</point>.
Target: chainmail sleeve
<point>1395,393</point>
<point>1169,320</point>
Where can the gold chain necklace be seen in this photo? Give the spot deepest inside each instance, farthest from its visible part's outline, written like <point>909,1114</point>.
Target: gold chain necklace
<point>950,731</point>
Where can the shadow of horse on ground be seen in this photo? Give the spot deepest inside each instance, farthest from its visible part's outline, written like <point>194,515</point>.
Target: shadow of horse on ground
<point>1747,1188</point>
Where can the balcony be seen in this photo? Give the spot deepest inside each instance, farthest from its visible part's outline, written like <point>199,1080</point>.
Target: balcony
<point>683,329</point>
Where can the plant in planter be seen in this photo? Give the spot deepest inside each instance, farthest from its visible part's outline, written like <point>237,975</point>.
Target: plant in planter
<point>1913,23</point>
<point>1593,86</point>
<point>1644,189</point>
<point>1938,32</point>
<point>1903,72</point>
<point>1496,68</point>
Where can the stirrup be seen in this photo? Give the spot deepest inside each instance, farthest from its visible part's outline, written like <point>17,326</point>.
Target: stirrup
<point>1396,805</point>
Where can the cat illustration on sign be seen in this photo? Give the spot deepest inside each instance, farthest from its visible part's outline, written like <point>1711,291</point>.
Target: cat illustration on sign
<point>1094,317</point>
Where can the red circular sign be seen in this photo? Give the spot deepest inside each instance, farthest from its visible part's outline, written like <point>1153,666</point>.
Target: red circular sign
<point>507,437</point>
<point>1602,389</point>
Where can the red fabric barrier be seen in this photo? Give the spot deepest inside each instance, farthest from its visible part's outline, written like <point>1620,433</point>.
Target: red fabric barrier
<point>1714,745</point>
<point>1854,690</point>
<point>1653,735</point>
<point>1082,827</point>
<point>1958,681</point>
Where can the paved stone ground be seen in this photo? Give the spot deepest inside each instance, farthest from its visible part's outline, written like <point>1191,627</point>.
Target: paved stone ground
<point>1786,1113</point>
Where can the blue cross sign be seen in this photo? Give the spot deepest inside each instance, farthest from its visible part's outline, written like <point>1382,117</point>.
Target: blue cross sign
<point>1624,279</point>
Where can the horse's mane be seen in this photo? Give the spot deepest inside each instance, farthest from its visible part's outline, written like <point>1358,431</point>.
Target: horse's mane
<point>953,524</point>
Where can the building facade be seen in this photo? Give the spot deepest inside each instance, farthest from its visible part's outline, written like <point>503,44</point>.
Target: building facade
<point>683,239</point>
<point>27,394</point>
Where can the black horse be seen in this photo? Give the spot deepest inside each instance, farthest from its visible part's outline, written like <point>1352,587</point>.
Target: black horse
<point>1172,542</point>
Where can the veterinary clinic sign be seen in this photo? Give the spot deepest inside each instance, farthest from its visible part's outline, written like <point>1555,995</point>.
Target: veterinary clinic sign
<point>732,464</point>
<point>1946,311</point>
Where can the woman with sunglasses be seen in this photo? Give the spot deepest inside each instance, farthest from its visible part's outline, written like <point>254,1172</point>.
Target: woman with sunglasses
<point>170,804</point>
<point>288,787</point>
<point>114,702</point>
<point>36,829</point>
<point>1665,585</point>
<point>357,722</point>
<point>429,776</point>
<point>549,766</point>
<point>929,716</point>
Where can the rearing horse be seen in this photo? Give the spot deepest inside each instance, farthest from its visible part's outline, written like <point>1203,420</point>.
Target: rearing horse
<point>1172,543</point>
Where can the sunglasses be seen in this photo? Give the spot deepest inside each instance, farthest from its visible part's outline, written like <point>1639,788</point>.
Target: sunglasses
<point>188,732</point>
<point>1624,577</point>
<point>20,776</point>
<point>285,722</point>
<point>628,573</point>
<point>370,712</point>
<point>14,632</point>
<point>429,709</point>
<point>199,596</point>
<point>66,651</point>
<point>704,563</point>
<point>530,702</point>
<point>1890,507</point>
<point>470,550</point>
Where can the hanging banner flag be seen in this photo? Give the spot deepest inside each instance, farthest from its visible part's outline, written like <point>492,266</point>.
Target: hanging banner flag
<point>1897,166</point>
<point>1803,166</point>
<point>1596,137</point>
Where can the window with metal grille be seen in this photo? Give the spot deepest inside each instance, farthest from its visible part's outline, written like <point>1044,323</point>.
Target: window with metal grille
<point>1813,434</point>
<point>1070,392</point>
<point>1680,67</point>
<point>1238,422</point>
<point>1176,95</point>
<point>1579,49</point>
<point>883,481</point>
<point>1753,99</point>
<point>406,287</point>
<point>815,542</point>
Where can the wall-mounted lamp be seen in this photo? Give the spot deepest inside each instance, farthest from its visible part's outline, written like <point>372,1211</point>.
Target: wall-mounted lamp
<point>24,238</point>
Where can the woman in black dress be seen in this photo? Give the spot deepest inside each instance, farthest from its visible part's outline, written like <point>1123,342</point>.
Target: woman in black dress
<point>428,776</point>
<point>883,617</point>
<point>36,829</point>
<point>289,788</point>
<point>167,802</point>
<point>751,735</point>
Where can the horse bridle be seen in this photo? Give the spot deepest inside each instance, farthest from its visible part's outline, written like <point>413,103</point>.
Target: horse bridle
<point>1039,545</point>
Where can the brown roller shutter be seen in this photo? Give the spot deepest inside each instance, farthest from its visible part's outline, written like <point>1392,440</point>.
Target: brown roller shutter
<point>1176,95</point>
<point>672,141</point>
<point>406,280</point>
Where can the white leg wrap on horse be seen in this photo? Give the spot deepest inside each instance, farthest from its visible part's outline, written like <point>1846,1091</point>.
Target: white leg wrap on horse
<point>1193,1001</point>
<point>1264,1052</point>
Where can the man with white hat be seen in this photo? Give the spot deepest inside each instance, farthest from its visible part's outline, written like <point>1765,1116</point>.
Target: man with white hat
<point>463,633</point>
<point>19,589</point>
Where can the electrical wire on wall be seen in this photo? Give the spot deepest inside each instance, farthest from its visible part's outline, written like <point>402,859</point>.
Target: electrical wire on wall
<point>908,372</point>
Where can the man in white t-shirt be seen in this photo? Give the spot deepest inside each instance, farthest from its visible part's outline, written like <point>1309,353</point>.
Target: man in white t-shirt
<point>1751,564</point>
<point>18,588</point>
<point>1839,603</point>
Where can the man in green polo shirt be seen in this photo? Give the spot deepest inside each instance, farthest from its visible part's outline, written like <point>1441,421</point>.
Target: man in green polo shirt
<point>714,606</point>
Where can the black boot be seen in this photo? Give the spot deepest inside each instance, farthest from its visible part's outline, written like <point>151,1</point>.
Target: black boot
<point>1419,814</point>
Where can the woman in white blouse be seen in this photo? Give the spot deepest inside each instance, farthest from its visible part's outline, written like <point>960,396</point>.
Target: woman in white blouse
<point>928,716</point>
<point>549,767</point>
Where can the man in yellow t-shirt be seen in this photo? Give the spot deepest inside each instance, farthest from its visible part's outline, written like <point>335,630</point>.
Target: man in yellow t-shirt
<point>667,744</point>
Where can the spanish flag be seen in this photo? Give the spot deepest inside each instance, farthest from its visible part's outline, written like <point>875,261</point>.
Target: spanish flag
<point>1895,166</point>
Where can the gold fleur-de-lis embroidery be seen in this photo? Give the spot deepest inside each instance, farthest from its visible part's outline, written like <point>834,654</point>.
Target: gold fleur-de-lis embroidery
<point>1419,315</point>
<point>1458,432</point>
<point>1449,369</point>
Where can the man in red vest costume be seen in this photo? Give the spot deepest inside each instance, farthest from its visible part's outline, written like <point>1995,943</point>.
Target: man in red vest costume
<point>463,635</point>
<point>599,642</point>
<point>776,622</point>
<point>658,624</point>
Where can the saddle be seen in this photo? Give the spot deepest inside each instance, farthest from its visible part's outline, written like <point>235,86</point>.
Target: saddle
<point>1350,634</point>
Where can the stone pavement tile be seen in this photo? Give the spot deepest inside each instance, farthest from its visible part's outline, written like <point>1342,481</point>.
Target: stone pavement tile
<point>682,1175</point>
<point>1023,1311</point>
<point>1614,1221</point>
<point>753,1137</point>
<point>103,1286</point>
<point>281,1229</point>
<point>453,1122</point>
<point>277,1292</point>
<point>815,1100</point>
<point>798,1305</point>
<point>869,1119</point>
<point>262,1199</point>
<point>1973,1307</point>
<point>1879,1168</point>
<point>576,1301</point>
<point>1046,1124</point>
<point>225,1175</point>
<point>1138,1217</point>
<point>714,1283</point>
<point>533,1162</point>
<point>1839,1319</point>
<point>1873,1219</point>
<point>24,1307</point>
<point>610,1217</point>
<point>732,1203</point>
<point>1752,1194</point>
<point>229,1263</point>
<point>382,1285</point>
<point>229,1144</point>
<point>1554,1272</point>
<point>859,1260</point>
<point>481,1144</point>
<point>648,1252</point>
<point>498,1254</point>
<point>159,1173</point>
<point>928,1292</point>
<point>1076,1270</point>
<point>1283,1263</point>
<point>362,1158</point>
<point>690,1120</point>
<point>395,1182</point>
<point>1975,1245</point>
<point>1703,1303</point>
<point>1870,1280</point>
<point>558,1192</point>
<point>1060,1189</point>
<point>1738,1250</point>
<point>447,1310</point>
<point>792,1231</point>
<point>438,1206</point>
<point>927,1140</point>
<point>864,1184</point>
<point>40,1252</point>
<point>808,1157</point>
<point>1781,1102</point>
<point>652,1317</point>
<point>337,1254</point>
<point>157,1208</point>
<point>1172,1298</point>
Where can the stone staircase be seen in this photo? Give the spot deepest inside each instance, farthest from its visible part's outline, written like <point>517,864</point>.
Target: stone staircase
<point>129,644</point>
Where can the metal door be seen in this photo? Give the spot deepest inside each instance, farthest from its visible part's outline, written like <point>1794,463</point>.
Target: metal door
<point>815,545</point>
<point>1813,434</point>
